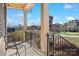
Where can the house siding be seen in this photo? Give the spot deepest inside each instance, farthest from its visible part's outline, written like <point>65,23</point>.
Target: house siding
<point>2,20</point>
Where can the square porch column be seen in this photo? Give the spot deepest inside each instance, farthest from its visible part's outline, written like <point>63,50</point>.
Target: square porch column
<point>25,25</point>
<point>44,26</point>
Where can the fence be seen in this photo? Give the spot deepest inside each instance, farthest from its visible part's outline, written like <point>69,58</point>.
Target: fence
<point>58,46</point>
<point>33,38</point>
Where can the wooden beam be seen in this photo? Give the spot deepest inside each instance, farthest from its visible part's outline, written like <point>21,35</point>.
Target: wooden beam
<point>23,6</point>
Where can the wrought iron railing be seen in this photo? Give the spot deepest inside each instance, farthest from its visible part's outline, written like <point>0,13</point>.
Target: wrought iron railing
<point>59,46</point>
<point>33,38</point>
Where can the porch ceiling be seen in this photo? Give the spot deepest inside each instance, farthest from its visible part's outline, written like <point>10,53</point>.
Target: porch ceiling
<point>24,6</point>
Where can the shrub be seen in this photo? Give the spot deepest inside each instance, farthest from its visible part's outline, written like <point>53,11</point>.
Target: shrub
<point>17,35</point>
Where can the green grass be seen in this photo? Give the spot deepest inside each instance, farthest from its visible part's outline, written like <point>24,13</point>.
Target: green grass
<point>69,33</point>
<point>74,40</point>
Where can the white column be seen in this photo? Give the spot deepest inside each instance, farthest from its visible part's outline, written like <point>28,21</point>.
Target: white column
<point>44,26</point>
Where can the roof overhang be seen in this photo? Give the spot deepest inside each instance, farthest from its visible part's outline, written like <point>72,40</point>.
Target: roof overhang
<point>23,6</point>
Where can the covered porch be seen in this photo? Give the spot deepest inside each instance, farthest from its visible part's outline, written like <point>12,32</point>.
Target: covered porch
<point>44,26</point>
<point>30,51</point>
<point>36,43</point>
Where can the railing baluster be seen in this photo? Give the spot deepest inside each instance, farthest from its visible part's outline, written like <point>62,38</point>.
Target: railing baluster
<point>61,46</point>
<point>53,44</point>
<point>47,45</point>
<point>58,45</point>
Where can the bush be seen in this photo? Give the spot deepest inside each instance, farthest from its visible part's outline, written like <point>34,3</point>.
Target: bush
<point>17,35</point>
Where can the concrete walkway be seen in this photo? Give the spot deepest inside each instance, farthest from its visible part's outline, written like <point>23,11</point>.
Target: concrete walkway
<point>30,51</point>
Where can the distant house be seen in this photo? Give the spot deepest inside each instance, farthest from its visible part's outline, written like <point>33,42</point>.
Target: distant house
<point>57,27</point>
<point>54,27</point>
<point>33,27</point>
<point>50,22</point>
<point>72,26</point>
<point>65,27</point>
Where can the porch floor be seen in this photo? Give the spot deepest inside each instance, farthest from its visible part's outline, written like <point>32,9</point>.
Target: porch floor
<point>30,51</point>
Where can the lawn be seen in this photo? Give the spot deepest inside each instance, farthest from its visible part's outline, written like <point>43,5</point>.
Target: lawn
<point>69,33</point>
<point>72,37</point>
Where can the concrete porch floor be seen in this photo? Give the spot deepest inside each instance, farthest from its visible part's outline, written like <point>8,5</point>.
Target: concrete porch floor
<point>30,51</point>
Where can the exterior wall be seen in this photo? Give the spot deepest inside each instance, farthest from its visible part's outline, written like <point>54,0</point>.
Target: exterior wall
<point>2,20</point>
<point>57,27</point>
<point>50,23</point>
<point>72,25</point>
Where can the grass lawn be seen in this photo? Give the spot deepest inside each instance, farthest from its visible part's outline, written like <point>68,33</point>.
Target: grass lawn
<point>75,41</point>
<point>69,33</point>
<point>72,39</point>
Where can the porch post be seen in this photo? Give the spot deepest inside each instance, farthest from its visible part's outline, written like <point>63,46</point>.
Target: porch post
<point>44,26</point>
<point>25,25</point>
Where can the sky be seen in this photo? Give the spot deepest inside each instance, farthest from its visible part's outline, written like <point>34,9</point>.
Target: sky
<point>62,13</point>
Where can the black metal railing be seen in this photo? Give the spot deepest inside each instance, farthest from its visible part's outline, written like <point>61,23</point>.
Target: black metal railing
<point>33,38</point>
<point>59,46</point>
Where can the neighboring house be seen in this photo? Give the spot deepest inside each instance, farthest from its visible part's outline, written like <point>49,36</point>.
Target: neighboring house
<point>54,27</point>
<point>78,25</point>
<point>50,22</point>
<point>65,27</point>
<point>33,27</point>
<point>57,27</point>
<point>72,26</point>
